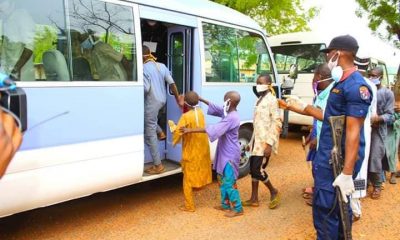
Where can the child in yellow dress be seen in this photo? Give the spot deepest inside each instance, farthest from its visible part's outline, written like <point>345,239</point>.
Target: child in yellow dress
<point>196,161</point>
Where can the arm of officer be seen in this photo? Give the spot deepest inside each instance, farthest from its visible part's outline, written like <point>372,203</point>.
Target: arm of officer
<point>353,127</point>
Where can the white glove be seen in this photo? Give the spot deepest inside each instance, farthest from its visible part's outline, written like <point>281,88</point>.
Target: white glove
<point>295,100</point>
<point>345,184</point>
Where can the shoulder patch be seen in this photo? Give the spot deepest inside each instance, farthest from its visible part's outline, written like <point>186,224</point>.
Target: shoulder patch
<point>364,93</point>
<point>335,90</point>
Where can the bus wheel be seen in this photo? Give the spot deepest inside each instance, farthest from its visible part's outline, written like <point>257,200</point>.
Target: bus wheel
<point>244,140</point>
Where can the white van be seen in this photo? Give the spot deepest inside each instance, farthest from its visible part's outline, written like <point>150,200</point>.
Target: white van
<point>302,49</point>
<point>84,118</point>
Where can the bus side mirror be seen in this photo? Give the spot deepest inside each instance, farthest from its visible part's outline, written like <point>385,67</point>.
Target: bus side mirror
<point>287,84</point>
<point>15,101</point>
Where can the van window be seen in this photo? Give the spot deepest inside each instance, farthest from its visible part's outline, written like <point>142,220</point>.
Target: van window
<point>35,43</point>
<point>102,41</point>
<point>32,43</point>
<point>306,56</point>
<point>233,55</point>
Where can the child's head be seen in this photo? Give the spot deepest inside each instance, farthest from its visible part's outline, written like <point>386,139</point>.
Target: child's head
<point>264,79</point>
<point>233,98</point>
<point>191,98</point>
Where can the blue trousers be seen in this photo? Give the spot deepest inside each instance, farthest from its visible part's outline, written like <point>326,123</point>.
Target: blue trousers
<point>230,197</point>
<point>151,128</point>
<point>326,213</point>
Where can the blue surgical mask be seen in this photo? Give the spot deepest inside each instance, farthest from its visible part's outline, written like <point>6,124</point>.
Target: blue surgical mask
<point>87,44</point>
<point>315,88</point>
<point>375,81</point>
<point>227,105</point>
<point>337,73</point>
<point>332,64</point>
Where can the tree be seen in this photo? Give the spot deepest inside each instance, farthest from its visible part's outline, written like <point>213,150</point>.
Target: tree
<point>276,16</point>
<point>382,14</point>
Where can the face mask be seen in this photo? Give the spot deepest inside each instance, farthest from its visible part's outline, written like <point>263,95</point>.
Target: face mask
<point>261,88</point>
<point>87,44</point>
<point>255,91</point>
<point>227,105</point>
<point>333,64</point>
<point>187,107</point>
<point>315,88</point>
<point>375,81</point>
<point>337,73</point>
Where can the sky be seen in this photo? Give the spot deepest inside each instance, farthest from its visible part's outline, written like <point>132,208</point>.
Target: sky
<point>338,18</point>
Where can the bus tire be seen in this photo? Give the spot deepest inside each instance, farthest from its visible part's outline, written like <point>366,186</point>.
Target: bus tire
<point>245,134</point>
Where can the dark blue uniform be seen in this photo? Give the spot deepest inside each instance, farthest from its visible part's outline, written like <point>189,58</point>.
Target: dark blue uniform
<point>350,97</point>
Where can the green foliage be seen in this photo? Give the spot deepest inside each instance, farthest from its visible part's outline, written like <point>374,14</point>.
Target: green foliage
<point>276,16</point>
<point>382,14</point>
<point>45,39</point>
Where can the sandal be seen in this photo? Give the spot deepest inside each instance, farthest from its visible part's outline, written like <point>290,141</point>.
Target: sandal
<point>376,193</point>
<point>307,195</point>
<point>155,169</point>
<point>275,202</point>
<point>393,179</point>
<point>185,209</point>
<point>221,208</point>
<point>250,203</point>
<point>232,214</point>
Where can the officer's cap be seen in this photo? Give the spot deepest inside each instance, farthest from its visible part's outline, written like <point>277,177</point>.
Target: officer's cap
<point>344,42</point>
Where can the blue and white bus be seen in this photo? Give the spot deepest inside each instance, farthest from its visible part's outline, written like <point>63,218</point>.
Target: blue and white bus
<point>84,127</point>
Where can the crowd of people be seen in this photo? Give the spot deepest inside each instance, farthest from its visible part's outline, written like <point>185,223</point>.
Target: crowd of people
<point>343,87</point>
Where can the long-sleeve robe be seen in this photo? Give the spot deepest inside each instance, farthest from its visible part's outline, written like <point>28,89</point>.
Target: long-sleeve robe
<point>385,109</point>
<point>196,161</point>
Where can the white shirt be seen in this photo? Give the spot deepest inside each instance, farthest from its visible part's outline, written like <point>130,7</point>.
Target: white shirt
<point>18,31</point>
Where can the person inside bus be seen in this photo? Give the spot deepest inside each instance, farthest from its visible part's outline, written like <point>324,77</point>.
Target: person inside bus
<point>196,161</point>
<point>110,65</point>
<point>17,40</point>
<point>227,155</point>
<point>155,75</point>
<point>265,139</point>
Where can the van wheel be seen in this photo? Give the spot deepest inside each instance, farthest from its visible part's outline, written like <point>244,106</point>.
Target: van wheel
<point>244,139</point>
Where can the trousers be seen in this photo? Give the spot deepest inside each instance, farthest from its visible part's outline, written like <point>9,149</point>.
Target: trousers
<point>151,128</point>
<point>230,197</point>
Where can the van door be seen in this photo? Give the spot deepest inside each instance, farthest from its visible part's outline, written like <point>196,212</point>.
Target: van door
<point>179,65</point>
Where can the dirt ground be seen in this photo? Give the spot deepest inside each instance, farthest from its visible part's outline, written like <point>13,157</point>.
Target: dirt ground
<point>150,211</point>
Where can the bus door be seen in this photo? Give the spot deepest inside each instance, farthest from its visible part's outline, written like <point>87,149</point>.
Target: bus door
<point>179,45</point>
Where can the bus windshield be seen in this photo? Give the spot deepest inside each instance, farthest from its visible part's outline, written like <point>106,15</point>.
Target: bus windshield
<point>306,56</point>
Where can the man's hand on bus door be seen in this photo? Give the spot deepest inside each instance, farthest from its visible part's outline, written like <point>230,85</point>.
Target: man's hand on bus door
<point>181,101</point>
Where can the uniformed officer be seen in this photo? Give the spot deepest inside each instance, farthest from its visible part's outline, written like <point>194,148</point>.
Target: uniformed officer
<point>350,96</point>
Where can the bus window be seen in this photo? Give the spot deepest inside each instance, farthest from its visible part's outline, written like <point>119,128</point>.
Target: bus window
<point>33,40</point>
<point>306,56</point>
<point>253,56</point>
<point>103,45</point>
<point>233,55</point>
<point>221,53</point>
<point>177,59</point>
<point>385,77</point>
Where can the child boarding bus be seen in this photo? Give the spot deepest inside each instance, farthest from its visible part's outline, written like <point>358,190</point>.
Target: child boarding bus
<point>82,106</point>
<point>301,50</point>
